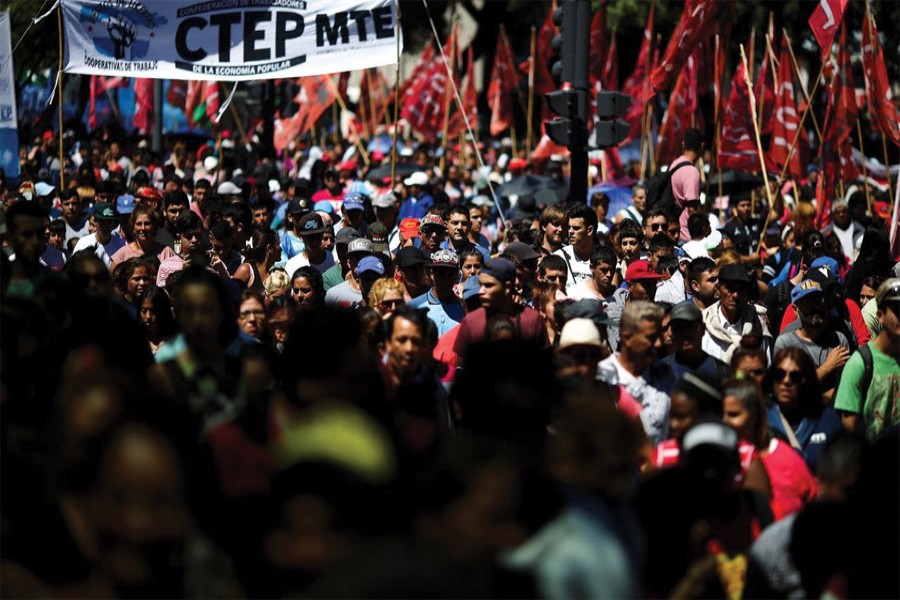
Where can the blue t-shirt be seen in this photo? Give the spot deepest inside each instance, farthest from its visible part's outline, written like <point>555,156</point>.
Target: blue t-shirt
<point>812,433</point>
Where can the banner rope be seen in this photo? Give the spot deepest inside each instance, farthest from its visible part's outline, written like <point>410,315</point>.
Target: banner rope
<point>227,102</point>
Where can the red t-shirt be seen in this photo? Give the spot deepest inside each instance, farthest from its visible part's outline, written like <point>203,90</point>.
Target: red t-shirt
<point>792,483</point>
<point>528,322</point>
<point>443,352</point>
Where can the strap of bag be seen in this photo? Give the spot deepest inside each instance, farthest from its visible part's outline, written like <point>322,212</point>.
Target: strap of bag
<point>789,430</point>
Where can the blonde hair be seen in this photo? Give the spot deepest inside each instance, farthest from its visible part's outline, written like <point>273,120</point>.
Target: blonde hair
<point>729,257</point>
<point>276,283</point>
<point>380,288</point>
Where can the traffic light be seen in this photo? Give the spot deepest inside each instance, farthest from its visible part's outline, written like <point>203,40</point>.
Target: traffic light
<point>565,104</point>
<point>611,105</point>
<point>572,43</point>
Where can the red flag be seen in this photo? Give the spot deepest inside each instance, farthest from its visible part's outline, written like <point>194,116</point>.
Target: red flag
<point>504,83</point>
<point>92,107</point>
<point>786,120</point>
<point>426,110</point>
<point>544,55</point>
<point>637,85</point>
<point>824,23</point>
<point>599,42</point>
<point>883,112</point>
<point>374,93</point>
<point>177,94</point>
<point>419,70</point>
<point>211,99</point>
<point>469,102</point>
<point>547,148</point>
<point>610,77</point>
<point>193,98</point>
<point>316,95</point>
<point>143,104</point>
<point>682,107</point>
<point>738,148</point>
<point>696,23</point>
<point>842,113</point>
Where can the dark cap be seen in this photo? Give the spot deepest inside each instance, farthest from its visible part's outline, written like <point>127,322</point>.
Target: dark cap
<point>311,224</point>
<point>378,233</point>
<point>588,308</point>
<point>706,392</point>
<point>444,258</point>
<point>501,268</point>
<point>346,235</point>
<point>521,251</point>
<point>410,257</point>
<point>737,273</point>
<point>105,211</point>
<point>299,206</point>
<point>686,311</point>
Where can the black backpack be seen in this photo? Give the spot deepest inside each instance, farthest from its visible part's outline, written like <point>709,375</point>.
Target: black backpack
<point>659,191</point>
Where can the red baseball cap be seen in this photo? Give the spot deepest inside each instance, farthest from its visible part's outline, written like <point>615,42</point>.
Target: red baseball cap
<point>640,270</point>
<point>882,209</point>
<point>409,228</point>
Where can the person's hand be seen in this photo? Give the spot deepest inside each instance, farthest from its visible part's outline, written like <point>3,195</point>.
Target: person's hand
<point>837,358</point>
<point>217,265</point>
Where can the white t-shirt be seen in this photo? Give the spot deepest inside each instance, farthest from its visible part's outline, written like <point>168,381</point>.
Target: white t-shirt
<point>579,270</point>
<point>581,291</point>
<point>654,403</point>
<point>301,260</point>
<point>103,251</point>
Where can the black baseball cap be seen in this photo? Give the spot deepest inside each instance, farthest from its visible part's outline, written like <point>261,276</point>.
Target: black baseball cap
<point>410,257</point>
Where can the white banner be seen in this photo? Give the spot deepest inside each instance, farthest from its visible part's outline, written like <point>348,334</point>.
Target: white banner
<point>231,40</point>
<point>9,130</point>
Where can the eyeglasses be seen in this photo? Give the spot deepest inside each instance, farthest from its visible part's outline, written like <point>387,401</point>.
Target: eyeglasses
<point>792,376</point>
<point>430,232</point>
<point>657,227</point>
<point>246,314</point>
<point>390,304</point>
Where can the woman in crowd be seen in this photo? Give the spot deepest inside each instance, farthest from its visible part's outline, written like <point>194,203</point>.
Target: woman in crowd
<point>157,318</point>
<point>276,284</point>
<point>143,223</point>
<point>264,252</point>
<point>386,296</point>
<point>133,277</point>
<point>252,314</point>
<point>795,408</point>
<point>307,288</point>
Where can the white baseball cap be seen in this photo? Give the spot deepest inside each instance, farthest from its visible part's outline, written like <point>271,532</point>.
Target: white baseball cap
<point>417,178</point>
<point>579,332</point>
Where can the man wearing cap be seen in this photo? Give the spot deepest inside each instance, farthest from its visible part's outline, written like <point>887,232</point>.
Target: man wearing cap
<point>418,201</point>
<point>733,316</point>
<point>291,240</point>
<point>498,297</point>
<point>686,323</point>
<point>378,235</point>
<point>409,270</point>
<point>339,273</point>
<point>149,196</point>
<point>866,403</point>
<point>640,285</point>
<point>580,343</point>
<point>828,348</point>
<point>458,226</point>
<point>228,190</point>
<point>352,209</point>
<point>641,337</point>
<point>312,229</point>
<point>440,302</point>
<point>103,241</point>
<point>368,271</point>
<point>582,226</point>
<point>408,230</point>
<point>386,207</point>
<point>848,231</point>
<point>432,231</point>
<point>347,293</point>
<point>124,207</point>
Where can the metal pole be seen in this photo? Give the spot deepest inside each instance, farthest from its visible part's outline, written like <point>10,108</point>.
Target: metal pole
<point>156,143</point>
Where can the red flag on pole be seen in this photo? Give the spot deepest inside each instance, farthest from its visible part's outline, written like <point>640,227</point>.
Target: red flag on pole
<point>418,72</point>
<point>143,104</point>
<point>824,23</point>
<point>764,89</point>
<point>682,105</point>
<point>738,148</point>
<point>786,120</point>
<point>177,94</point>
<point>883,112</point>
<point>425,112</point>
<point>469,102</point>
<point>610,77</point>
<point>696,23</point>
<point>211,99</point>
<point>504,83</point>
<point>192,100</point>
<point>637,85</point>
<point>599,43</point>
<point>543,56</point>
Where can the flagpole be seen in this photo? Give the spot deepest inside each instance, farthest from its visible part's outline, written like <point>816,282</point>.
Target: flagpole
<point>343,105</point>
<point>372,115</point>
<point>512,136</point>
<point>59,98</point>
<point>887,165</point>
<point>364,116</point>
<point>451,70</point>
<point>396,105</point>
<point>759,149</point>
<point>862,154</point>
<point>806,96</point>
<point>529,117</point>
<point>787,161</point>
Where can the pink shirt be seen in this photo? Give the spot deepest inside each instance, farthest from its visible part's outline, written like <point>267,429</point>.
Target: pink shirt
<point>685,187</point>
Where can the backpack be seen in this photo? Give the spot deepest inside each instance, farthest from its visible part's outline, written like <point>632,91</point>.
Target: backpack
<point>659,191</point>
<point>868,370</point>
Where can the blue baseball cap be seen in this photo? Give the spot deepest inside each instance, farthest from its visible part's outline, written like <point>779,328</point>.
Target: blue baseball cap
<point>804,289</point>
<point>324,206</point>
<point>354,201</point>
<point>471,287</point>
<point>827,266</point>
<point>370,263</point>
<point>501,268</point>
<point>125,204</point>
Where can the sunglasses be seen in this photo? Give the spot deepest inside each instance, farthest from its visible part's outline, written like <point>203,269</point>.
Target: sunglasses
<point>392,304</point>
<point>657,227</point>
<point>792,376</point>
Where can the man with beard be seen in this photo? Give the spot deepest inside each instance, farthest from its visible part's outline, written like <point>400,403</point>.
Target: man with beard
<point>458,226</point>
<point>703,277</point>
<point>828,348</point>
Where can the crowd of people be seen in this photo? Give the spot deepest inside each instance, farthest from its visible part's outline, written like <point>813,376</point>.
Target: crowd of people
<point>226,375</point>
